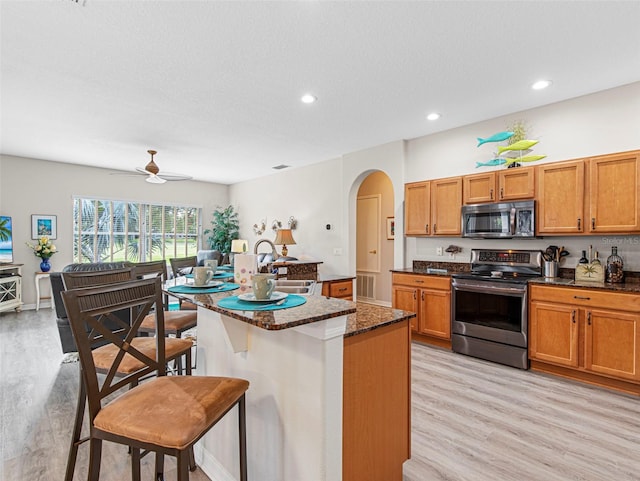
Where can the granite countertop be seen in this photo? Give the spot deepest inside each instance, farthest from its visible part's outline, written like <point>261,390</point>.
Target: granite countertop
<point>278,263</point>
<point>632,286</point>
<point>317,308</point>
<point>369,317</point>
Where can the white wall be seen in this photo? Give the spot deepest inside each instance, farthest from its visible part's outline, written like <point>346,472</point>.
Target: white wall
<point>30,186</point>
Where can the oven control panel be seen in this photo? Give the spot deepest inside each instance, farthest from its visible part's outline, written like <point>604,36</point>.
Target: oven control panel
<point>510,257</point>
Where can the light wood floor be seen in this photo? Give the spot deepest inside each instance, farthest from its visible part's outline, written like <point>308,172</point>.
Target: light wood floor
<point>472,420</point>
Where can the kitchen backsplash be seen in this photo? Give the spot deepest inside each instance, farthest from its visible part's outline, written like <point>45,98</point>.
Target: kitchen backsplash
<point>426,248</point>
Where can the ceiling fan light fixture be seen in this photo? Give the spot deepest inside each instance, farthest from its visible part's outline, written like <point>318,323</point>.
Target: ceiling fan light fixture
<point>154,179</point>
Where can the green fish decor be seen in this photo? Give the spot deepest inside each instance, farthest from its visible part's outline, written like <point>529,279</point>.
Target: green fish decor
<point>521,145</point>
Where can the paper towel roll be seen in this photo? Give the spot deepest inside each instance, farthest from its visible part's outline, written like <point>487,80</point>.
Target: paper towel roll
<point>244,267</point>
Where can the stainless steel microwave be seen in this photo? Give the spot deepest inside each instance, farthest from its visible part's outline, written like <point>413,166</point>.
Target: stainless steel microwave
<point>499,220</point>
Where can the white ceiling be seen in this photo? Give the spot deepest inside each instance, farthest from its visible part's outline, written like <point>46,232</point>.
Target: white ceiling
<point>214,86</point>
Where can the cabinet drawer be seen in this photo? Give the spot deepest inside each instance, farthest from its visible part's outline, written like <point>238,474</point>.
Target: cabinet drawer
<point>587,298</point>
<point>416,280</point>
<point>342,289</point>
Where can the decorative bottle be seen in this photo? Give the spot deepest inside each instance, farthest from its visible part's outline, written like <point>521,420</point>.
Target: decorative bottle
<point>583,259</point>
<point>595,259</point>
<point>615,272</point>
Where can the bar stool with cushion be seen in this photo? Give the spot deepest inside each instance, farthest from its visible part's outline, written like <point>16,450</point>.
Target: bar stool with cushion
<point>175,322</point>
<point>104,354</point>
<point>181,267</point>
<point>132,418</point>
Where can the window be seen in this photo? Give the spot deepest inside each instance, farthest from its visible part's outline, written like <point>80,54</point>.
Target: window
<point>112,231</point>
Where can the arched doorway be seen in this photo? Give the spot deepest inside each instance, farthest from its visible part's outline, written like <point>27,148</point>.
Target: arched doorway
<point>375,232</point>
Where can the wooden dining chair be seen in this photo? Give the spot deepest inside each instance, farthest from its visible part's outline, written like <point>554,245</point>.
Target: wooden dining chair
<point>175,322</point>
<point>104,354</point>
<point>183,266</point>
<point>141,417</point>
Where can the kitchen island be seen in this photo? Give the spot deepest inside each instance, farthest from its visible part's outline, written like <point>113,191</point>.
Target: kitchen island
<point>329,395</point>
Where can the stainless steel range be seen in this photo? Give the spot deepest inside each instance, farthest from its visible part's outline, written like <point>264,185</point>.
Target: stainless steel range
<point>489,305</point>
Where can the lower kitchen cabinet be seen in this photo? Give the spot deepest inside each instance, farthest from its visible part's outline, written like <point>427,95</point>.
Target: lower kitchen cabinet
<point>430,298</point>
<point>578,329</point>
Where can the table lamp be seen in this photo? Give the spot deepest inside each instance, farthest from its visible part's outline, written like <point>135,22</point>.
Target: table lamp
<point>284,237</point>
<point>238,246</point>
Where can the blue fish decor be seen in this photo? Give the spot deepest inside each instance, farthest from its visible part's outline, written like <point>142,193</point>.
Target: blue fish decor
<point>499,137</point>
<point>496,161</point>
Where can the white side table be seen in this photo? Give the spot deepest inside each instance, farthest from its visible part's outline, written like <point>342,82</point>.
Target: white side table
<point>39,277</point>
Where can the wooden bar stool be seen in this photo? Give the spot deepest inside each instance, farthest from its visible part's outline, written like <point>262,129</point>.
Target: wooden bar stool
<point>105,354</point>
<point>133,418</point>
<point>182,266</point>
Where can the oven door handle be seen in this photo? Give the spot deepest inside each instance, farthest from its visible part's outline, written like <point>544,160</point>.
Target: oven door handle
<point>484,287</point>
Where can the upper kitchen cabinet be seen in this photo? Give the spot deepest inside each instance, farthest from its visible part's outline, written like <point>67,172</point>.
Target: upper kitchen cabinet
<point>503,185</point>
<point>613,201</point>
<point>446,204</point>
<point>417,208</point>
<point>560,195</point>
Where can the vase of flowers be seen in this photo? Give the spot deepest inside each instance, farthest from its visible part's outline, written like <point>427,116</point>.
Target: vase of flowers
<point>43,249</point>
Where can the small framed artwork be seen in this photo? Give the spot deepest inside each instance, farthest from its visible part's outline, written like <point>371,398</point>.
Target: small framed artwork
<point>391,228</point>
<point>44,225</point>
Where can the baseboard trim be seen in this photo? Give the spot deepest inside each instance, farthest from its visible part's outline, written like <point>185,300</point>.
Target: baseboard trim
<point>210,465</point>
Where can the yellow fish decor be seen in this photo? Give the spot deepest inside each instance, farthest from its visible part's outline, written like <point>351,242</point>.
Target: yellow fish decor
<point>515,152</point>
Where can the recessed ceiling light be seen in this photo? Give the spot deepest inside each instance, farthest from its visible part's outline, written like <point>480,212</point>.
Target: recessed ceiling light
<point>541,84</point>
<point>433,116</point>
<point>308,99</point>
<point>280,167</point>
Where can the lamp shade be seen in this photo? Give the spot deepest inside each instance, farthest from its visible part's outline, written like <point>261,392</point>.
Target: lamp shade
<point>239,245</point>
<point>284,237</point>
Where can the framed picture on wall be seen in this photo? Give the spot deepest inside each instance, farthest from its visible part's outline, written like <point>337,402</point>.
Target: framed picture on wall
<point>391,228</point>
<point>44,225</point>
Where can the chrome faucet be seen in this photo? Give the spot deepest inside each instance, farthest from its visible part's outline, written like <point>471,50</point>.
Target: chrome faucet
<point>274,253</point>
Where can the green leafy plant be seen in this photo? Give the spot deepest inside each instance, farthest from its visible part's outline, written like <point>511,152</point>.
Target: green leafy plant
<point>224,228</point>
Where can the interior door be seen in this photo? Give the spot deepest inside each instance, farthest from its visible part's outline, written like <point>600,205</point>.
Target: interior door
<point>368,234</point>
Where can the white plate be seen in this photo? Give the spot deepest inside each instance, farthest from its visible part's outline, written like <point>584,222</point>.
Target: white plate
<point>207,285</point>
<point>250,297</point>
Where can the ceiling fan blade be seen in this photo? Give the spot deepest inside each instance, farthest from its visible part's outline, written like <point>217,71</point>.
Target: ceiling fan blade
<point>167,176</point>
<point>155,179</point>
<point>143,171</point>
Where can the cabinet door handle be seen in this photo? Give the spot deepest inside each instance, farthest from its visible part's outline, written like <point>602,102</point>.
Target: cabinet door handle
<point>573,316</point>
<point>426,228</point>
<point>373,251</point>
<point>414,295</point>
<point>419,281</point>
<point>579,222</point>
<point>434,228</point>
<point>593,223</point>
<point>491,194</point>
<point>589,317</point>
<point>501,192</point>
<point>341,289</point>
<point>582,297</point>
<point>422,295</point>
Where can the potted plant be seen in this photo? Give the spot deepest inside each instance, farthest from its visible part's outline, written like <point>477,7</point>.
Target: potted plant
<point>224,228</point>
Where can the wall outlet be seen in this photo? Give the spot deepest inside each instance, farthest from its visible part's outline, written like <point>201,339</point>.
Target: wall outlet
<point>439,251</point>
<point>337,251</point>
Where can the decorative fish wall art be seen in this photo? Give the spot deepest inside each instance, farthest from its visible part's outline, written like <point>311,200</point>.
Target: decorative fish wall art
<point>510,155</point>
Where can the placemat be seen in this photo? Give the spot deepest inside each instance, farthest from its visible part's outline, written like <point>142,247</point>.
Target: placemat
<point>233,303</point>
<point>220,275</point>
<point>228,286</point>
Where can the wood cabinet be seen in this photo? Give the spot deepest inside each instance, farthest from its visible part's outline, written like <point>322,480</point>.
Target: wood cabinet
<point>613,200</point>
<point>560,184</point>
<point>433,207</point>
<point>503,185</point>
<point>430,298</point>
<point>595,332</point>
<point>417,208</point>
<point>376,417</point>
<point>598,195</point>
<point>446,203</point>
<point>11,287</point>
<point>342,288</point>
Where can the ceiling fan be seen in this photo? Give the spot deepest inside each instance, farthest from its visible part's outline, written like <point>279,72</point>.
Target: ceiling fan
<point>152,171</point>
